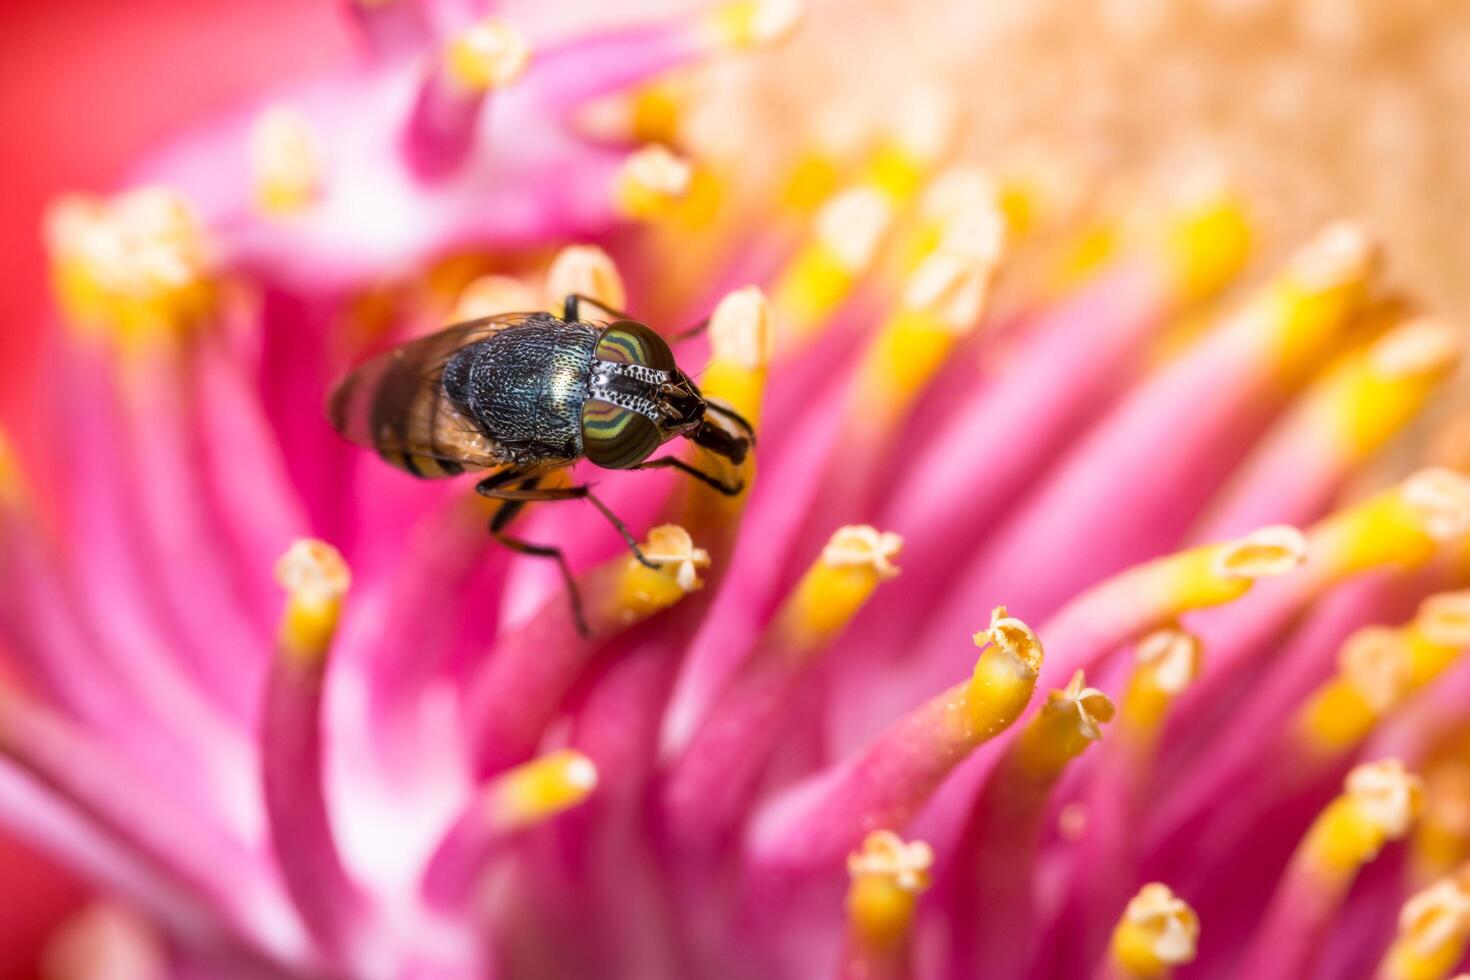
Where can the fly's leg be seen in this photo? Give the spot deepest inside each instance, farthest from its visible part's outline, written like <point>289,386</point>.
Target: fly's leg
<point>733,416</point>
<point>571,308</point>
<point>688,332</point>
<point>528,494</point>
<point>491,487</point>
<point>674,462</point>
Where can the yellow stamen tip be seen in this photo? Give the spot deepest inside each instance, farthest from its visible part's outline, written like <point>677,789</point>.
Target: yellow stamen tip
<point>1014,638</point>
<point>1264,553</point>
<point>756,23</point>
<point>1085,706</point>
<point>652,181</point>
<point>925,124</point>
<point>741,329</point>
<point>1172,658</point>
<point>490,54</point>
<point>540,789</point>
<point>315,578</point>
<point>1158,931</point>
<point>1375,662</point>
<point>951,288</point>
<point>491,296</point>
<point>671,547</point>
<point>1342,252</point>
<point>1441,499</point>
<point>851,226</point>
<point>1421,347</point>
<point>863,546</point>
<point>1207,239</point>
<point>313,571</point>
<point>587,271</point>
<point>1444,619</point>
<point>284,161</point>
<point>886,855</point>
<point>1387,795</point>
<point>1436,917</point>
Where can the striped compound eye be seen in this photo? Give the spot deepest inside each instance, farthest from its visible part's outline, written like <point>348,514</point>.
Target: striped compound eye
<point>617,438</point>
<point>613,437</point>
<point>630,342</point>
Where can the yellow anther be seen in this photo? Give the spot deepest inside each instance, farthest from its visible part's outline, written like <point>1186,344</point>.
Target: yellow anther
<point>1388,796</point>
<point>1206,241</point>
<point>887,877</point>
<point>585,270</point>
<point>1069,721</point>
<point>1158,931</point>
<point>1167,662</point>
<point>651,182</point>
<point>316,579</point>
<point>1375,662</point>
<point>1086,707</point>
<point>1433,927</point>
<point>851,227</point>
<point>1444,619</point>
<point>490,54</point>
<point>1013,638</point>
<point>1323,286</point>
<point>741,330</point>
<point>539,789</point>
<point>755,23</point>
<point>671,547</point>
<point>855,561</point>
<point>951,287</point>
<point>285,163</point>
<point>1264,553</point>
<point>862,545</point>
<point>1441,498</point>
<point>491,296</point>
<point>922,130</point>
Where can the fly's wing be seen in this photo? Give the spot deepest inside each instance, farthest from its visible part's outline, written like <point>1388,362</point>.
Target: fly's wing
<point>395,403</point>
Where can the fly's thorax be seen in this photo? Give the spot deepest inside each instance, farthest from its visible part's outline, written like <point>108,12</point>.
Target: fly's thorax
<point>525,387</point>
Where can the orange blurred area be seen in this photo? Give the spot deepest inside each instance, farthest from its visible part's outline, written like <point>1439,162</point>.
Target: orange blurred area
<point>85,87</point>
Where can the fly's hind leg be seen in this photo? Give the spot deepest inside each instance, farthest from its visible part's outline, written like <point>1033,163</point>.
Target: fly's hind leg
<point>532,493</point>
<point>674,462</point>
<point>493,487</point>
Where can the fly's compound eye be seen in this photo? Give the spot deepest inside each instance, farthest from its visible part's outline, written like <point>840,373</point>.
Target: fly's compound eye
<point>617,438</point>
<point>631,342</point>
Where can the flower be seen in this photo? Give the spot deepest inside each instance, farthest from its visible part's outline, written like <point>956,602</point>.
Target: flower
<point>297,715</point>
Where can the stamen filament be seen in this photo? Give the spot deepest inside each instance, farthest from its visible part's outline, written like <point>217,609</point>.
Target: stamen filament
<point>818,821</point>
<point>1379,803</point>
<point>887,878</point>
<point>440,135</point>
<point>709,785</point>
<point>1157,932</point>
<point>522,797</point>
<point>293,755</point>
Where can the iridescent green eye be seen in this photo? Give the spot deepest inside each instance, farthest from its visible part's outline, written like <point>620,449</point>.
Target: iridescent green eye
<point>630,342</point>
<point>616,438</point>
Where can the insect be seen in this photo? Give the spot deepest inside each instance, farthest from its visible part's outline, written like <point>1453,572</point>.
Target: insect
<point>521,395</point>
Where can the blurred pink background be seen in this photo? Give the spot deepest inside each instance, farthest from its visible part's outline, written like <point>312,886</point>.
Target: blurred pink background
<point>85,85</point>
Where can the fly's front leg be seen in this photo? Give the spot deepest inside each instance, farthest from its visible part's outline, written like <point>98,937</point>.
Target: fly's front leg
<point>529,494</point>
<point>674,462</point>
<point>571,308</point>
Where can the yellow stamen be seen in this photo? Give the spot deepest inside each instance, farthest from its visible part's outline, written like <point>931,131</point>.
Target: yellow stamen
<point>643,591</point>
<point>651,183</point>
<point>942,301</point>
<point>959,211</point>
<point>1380,667</point>
<point>1402,527</point>
<point>1433,928</point>
<point>1379,802</point>
<point>490,54</point>
<point>540,789</point>
<point>1168,660</point>
<point>846,234</point>
<point>1372,394</point>
<point>742,336</point>
<point>315,579</point>
<point>1442,837</point>
<point>1322,288</point>
<point>924,126</point>
<point>492,295</point>
<point>1206,241</point>
<point>1214,574</point>
<point>834,589</point>
<point>585,270</point>
<point>1068,722</point>
<point>887,878</point>
<point>1158,931</point>
<point>136,266</point>
<point>285,162</point>
<point>1001,683</point>
<point>755,23</point>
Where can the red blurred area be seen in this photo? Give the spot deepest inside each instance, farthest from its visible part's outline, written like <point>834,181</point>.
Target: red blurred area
<point>85,87</point>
